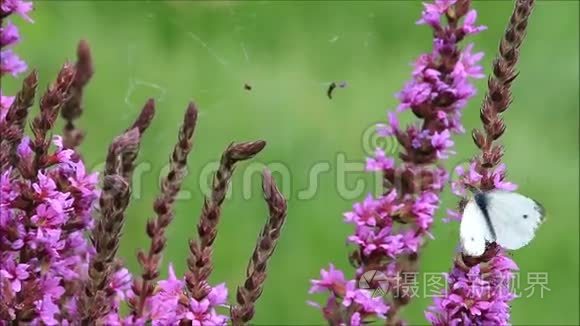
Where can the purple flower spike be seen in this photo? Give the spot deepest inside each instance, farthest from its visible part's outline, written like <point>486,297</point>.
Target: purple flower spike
<point>476,297</point>
<point>390,229</point>
<point>479,288</point>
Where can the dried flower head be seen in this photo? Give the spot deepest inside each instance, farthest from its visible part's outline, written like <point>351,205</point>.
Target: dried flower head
<point>199,262</point>
<point>248,294</point>
<point>163,208</point>
<point>72,108</point>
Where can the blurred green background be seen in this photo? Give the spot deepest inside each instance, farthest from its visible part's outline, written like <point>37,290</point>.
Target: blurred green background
<point>289,52</point>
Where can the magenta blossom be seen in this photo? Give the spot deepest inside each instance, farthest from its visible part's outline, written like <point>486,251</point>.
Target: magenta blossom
<point>331,279</point>
<point>14,274</point>
<point>11,64</point>
<point>166,306</point>
<point>474,296</point>
<point>9,34</point>
<point>19,7</point>
<point>57,258</point>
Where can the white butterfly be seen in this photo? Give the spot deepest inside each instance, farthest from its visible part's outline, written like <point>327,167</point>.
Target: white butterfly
<point>507,218</point>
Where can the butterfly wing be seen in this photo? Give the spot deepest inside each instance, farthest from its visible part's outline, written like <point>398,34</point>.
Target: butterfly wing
<point>514,217</point>
<point>473,231</point>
